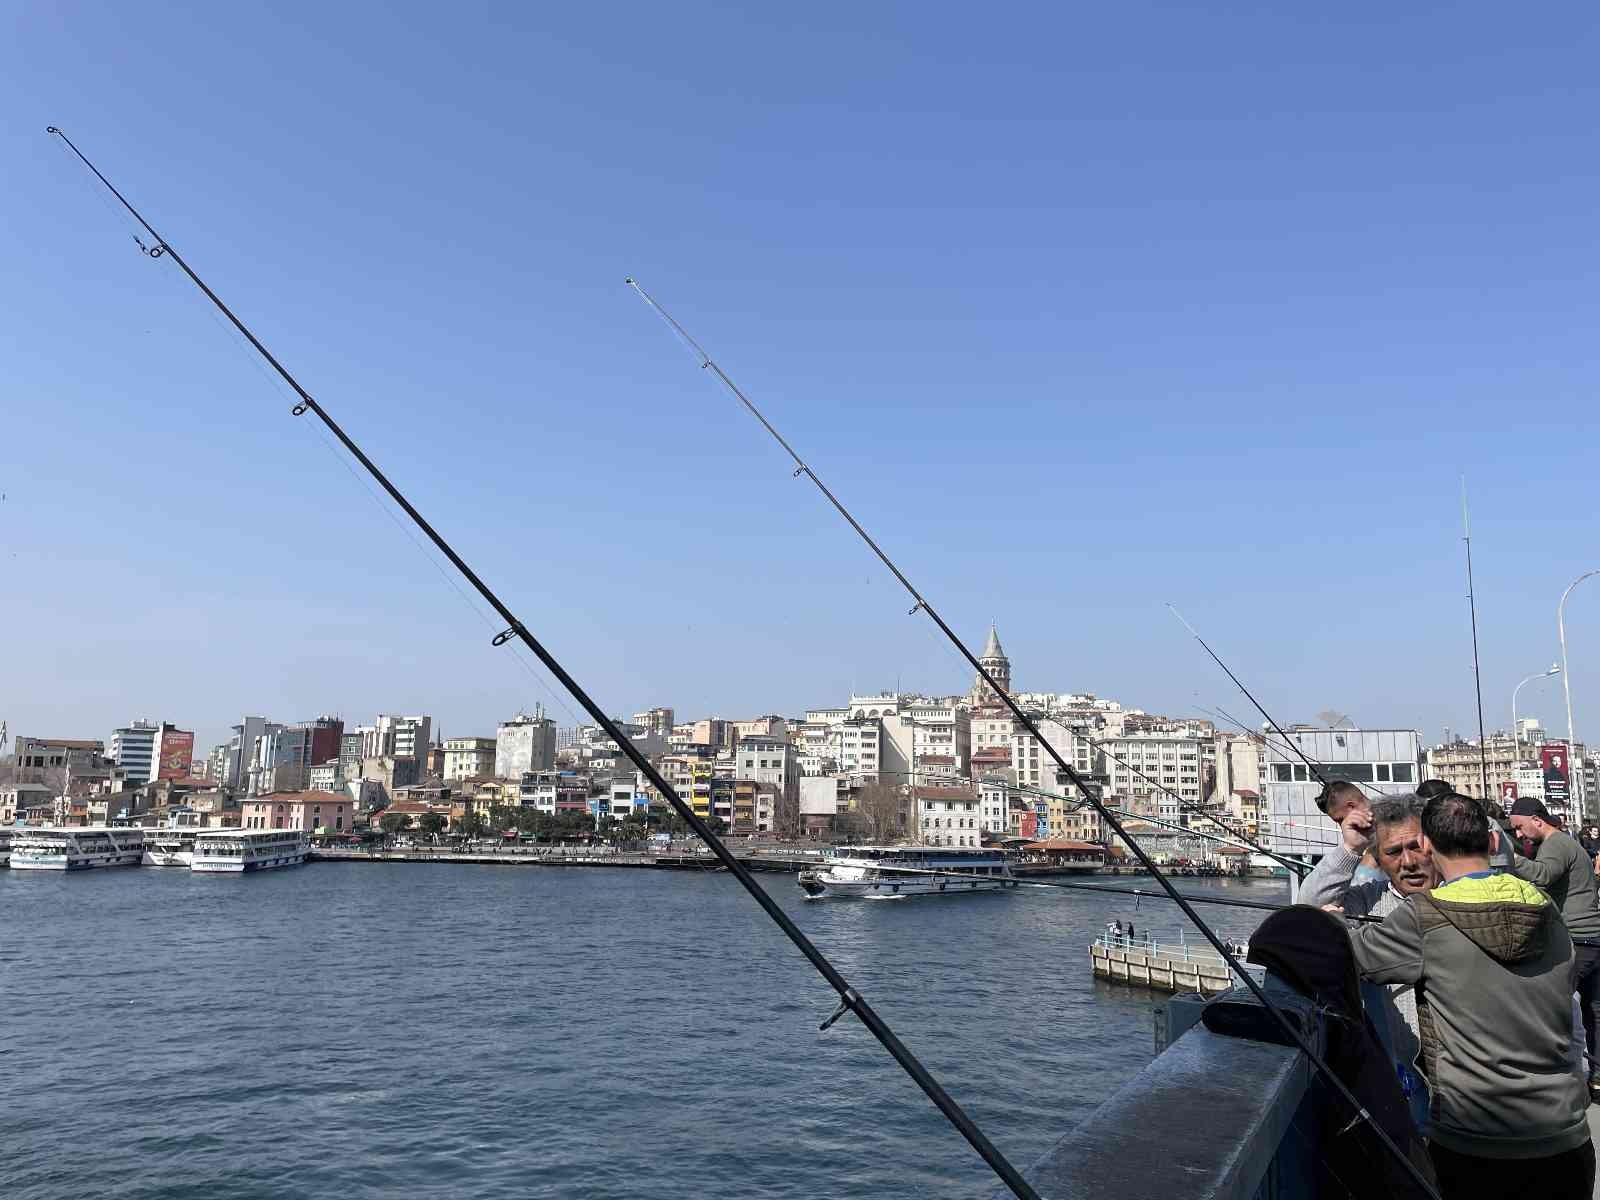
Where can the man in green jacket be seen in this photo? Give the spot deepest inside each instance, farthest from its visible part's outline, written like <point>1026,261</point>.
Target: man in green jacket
<point>1493,965</point>
<point>1565,871</point>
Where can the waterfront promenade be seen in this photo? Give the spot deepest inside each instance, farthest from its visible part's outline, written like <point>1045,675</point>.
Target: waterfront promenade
<point>684,858</point>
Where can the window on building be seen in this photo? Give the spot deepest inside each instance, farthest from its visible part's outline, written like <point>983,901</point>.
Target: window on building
<point>1353,772</point>
<point>1281,773</point>
<point>1300,775</point>
<point>1404,772</point>
<point>1383,772</point>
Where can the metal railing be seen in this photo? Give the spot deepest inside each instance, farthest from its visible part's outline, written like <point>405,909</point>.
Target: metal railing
<point>1179,951</point>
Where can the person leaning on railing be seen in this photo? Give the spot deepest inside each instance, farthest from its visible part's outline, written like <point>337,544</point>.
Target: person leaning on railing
<point>1493,964</point>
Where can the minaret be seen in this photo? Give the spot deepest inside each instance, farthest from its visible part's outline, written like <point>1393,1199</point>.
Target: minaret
<point>995,662</point>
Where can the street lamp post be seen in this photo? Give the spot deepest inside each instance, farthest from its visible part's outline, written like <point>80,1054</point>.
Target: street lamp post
<point>1566,683</point>
<point>1516,730</point>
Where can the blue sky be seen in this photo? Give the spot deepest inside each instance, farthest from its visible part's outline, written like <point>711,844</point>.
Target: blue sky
<point>1082,308</point>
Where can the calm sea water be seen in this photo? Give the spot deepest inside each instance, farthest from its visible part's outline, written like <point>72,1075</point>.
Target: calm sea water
<point>355,1030</point>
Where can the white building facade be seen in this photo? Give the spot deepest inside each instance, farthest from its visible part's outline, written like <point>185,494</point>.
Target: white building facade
<point>470,757</point>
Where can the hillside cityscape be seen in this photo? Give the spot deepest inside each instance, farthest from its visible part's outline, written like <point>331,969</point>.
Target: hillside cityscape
<point>949,770</point>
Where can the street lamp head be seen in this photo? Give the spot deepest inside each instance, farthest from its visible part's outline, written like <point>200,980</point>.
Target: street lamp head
<point>1555,669</point>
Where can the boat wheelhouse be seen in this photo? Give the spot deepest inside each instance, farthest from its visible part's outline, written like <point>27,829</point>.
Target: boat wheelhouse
<point>230,851</point>
<point>897,872</point>
<point>75,849</point>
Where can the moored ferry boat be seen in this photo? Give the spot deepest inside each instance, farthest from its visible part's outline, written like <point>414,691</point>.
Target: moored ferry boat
<point>169,847</point>
<point>75,849</point>
<point>896,872</point>
<point>230,851</point>
<point>172,844</point>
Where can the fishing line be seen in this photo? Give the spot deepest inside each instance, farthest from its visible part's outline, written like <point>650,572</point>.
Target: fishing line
<point>1200,810</point>
<point>1114,889</point>
<point>1311,766</point>
<point>1267,741</point>
<point>1477,677</point>
<point>850,1000</point>
<point>800,468</point>
<point>1237,841</point>
<point>1187,805</point>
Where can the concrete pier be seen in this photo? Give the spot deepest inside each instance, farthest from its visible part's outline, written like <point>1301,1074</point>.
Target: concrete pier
<point>1164,966</point>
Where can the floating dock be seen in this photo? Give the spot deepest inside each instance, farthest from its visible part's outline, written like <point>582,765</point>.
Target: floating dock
<point>1161,966</point>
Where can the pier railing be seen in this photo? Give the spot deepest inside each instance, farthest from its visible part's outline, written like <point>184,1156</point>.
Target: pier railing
<point>1237,1121</point>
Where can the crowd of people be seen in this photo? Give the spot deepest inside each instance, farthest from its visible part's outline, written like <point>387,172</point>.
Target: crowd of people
<point>1476,934</point>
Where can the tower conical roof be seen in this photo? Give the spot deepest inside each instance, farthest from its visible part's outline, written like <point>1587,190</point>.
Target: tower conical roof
<point>991,648</point>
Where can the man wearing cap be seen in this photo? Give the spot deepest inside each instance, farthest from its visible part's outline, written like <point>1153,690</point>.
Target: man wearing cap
<point>1563,870</point>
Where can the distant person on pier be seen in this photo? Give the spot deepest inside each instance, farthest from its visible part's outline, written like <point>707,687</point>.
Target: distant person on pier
<point>1391,832</point>
<point>1563,870</point>
<point>1493,964</point>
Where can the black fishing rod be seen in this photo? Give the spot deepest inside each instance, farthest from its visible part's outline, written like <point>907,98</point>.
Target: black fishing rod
<point>1291,1030</point>
<point>1284,737</point>
<point>1477,678</point>
<point>849,998</point>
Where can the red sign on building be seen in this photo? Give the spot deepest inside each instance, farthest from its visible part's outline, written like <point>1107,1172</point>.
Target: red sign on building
<point>1508,793</point>
<point>175,755</point>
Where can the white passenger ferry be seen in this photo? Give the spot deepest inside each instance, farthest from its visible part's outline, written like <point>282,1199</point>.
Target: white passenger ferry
<point>229,851</point>
<point>169,847</point>
<point>75,849</point>
<point>896,872</point>
<point>172,844</point>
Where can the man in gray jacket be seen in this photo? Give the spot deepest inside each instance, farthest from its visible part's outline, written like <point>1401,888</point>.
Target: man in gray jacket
<point>1563,869</point>
<point>1391,831</point>
<point>1493,967</point>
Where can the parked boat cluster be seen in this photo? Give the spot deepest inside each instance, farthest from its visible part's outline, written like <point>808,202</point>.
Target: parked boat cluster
<point>206,851</point>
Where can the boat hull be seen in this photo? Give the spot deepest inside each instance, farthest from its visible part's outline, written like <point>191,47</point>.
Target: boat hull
<point>168,858</point>
<point>234,866</point>
<point>74,862</point>
<point>820,886</point>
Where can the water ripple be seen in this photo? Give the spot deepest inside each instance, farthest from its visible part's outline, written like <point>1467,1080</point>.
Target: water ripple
<point>354,1031</point>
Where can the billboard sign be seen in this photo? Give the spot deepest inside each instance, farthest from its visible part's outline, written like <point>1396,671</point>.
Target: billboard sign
<point>1508,793</point>
<point>176,754</point>
<point>1553,761</point>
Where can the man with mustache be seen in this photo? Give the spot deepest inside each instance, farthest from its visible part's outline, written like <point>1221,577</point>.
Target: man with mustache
<point>1391,829</point>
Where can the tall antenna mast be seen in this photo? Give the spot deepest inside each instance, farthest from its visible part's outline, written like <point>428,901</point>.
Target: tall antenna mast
<point>1477,676</point>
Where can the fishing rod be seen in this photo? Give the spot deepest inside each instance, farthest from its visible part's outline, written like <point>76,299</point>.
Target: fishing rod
<point>849,998</point>
<point>1268,742</point>
<point>1477,678</point>
<point>1296,1037</point>
<point>1199,810</point>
